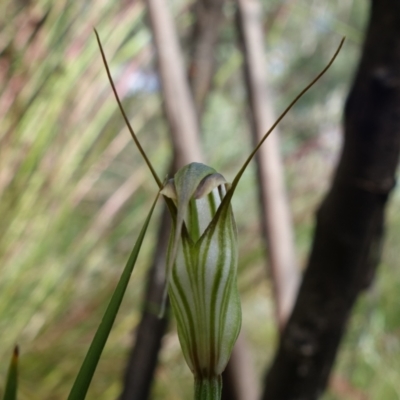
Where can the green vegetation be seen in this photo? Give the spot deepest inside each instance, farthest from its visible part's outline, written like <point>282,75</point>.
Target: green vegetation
<point>75,191</point>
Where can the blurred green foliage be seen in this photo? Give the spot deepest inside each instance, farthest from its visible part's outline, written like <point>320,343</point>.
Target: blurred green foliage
<point>74,190</point>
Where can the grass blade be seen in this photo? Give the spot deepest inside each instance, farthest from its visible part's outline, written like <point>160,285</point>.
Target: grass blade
<point>85,375</point>
<point>10,392</point>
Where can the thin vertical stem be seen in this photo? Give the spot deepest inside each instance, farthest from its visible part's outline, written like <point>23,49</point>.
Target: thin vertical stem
<point>208,388</point>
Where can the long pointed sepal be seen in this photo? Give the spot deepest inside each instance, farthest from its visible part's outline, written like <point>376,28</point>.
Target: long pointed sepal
<point>132,132</point>
<point>279,119</point>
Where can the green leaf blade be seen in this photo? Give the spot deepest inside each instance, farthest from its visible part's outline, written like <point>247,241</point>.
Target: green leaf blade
<point>87,370</point>
<point>10,392</point>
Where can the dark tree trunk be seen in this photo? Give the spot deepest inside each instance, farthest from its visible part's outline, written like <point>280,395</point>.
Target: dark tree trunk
<point>348,237</point>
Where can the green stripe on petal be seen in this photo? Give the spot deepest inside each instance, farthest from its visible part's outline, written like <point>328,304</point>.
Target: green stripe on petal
<point>202,281</point>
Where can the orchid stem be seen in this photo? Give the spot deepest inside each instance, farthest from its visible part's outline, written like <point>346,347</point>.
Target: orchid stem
<point>208,388</point>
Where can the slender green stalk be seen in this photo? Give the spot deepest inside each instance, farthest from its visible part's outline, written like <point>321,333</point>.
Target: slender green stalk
<point>208,388</point>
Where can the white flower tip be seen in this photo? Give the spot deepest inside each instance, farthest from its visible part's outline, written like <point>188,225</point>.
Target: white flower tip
<point>209,183</point>
<point>169,190</point>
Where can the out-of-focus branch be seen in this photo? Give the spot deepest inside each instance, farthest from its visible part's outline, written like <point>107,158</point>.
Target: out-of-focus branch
<point>350,220</point>
<point>239,378</point>
<point>276,220</point>
<point>205,34</point>
<point>178,101</point>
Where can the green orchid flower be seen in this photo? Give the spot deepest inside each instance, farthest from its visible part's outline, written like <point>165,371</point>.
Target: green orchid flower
<point>202,260</point>
<point>202,268</point>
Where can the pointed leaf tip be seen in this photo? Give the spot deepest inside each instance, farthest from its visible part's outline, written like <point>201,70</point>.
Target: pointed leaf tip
<point>10,392</point>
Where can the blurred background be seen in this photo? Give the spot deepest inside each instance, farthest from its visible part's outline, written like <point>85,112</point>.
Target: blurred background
<point>75,191</point>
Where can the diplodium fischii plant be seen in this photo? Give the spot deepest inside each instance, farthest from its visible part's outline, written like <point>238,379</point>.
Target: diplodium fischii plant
<point>202,269</point>
<point>202,261</point>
